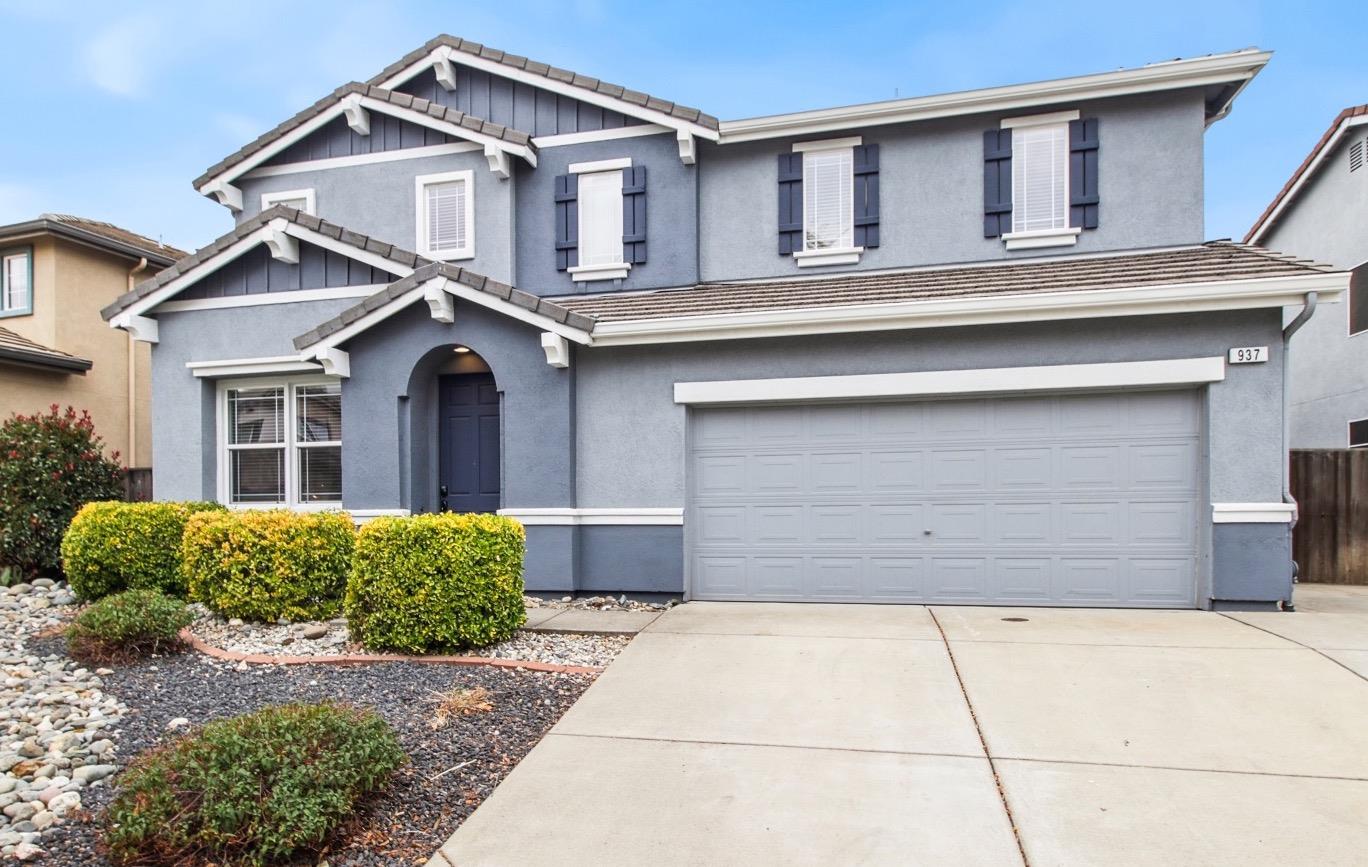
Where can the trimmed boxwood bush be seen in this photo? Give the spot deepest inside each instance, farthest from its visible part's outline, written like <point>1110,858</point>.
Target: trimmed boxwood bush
<point>252,789</point>
<point>127,546</point>
<point>265,565</point>
<point>436,582</point>
<point>126,626</point>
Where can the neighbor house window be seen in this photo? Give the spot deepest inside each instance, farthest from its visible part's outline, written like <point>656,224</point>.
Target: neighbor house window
<point>282,444</point>
<point>300,200</point>
<point>828,199</point>
<point>16,282</point>
<point>446,215</point>
<point>1358,300</point>
<point>1358,433</point>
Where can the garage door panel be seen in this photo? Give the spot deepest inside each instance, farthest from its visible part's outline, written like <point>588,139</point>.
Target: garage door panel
<point>959,524</point>
<point>1094,580</point>
<point>957,420</point>
<point>896,578</point>
<point>1163,523</point>
<point>836,525</point>
<point>836,577</point>
<point>895,421</point>
<point>721,525</point>
<point>778,576</point>
<point>1091,467</point>
<point>719,474</point>
<point>961,579</point>
<point>957,470</point>
<point>1161,580</point>
<point>901,470</point>
<point>1023,469</point>
<point>777,474</point>
<point>835,471</point>
<point>1158,414</point>
<point>1031,418</point>
<point>720,577</point>
<point>776,525</point>
<point>1092,415</point>
<point>1022,524</point>
<point>1021,579</point>
<point>1163,465</point>
<point>896,524</point>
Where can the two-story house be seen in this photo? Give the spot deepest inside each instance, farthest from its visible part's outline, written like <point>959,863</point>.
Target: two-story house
<point>1322,213</point>
<point>56,272</point>
<point>964,348</point>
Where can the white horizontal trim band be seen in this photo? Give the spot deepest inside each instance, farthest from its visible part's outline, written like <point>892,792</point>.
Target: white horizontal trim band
<point>596,517</point>
<point>460,147</point>
<point>1039,119</point>
<point>252,366</point>
<point>1252,513</point>
<point>1060,377</point>
<point>574,138</point>
<point>599,166</point>
<point>293,296</point>
<point>829,144</point>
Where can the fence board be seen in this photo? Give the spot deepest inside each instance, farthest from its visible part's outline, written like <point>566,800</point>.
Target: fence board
<point>1330,541</point>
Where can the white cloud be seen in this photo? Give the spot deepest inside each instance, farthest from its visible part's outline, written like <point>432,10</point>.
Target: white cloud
<point>122,57</point>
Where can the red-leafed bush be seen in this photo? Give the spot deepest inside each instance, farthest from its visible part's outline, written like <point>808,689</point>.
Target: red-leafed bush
<point>51,464</point>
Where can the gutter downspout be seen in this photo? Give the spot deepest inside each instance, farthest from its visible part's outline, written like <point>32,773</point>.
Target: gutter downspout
<point>1308,310</point>
<point>133,376</point>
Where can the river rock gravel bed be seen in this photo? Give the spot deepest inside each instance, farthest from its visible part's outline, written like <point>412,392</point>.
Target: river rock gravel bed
<point>598,603</point>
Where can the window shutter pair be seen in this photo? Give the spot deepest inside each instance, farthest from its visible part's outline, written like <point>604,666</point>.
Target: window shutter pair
<point>633,218</point>
<point>866,199</point>
<point>997,178</point>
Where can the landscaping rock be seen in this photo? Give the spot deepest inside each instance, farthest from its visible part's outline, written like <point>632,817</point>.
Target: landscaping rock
<point>315,631</point>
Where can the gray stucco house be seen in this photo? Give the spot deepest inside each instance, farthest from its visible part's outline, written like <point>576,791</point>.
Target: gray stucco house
<point>1322,213</point>
<point>964,348</point>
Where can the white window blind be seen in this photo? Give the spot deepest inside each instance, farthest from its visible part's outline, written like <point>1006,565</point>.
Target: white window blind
<point>828,200</point>
<point>600,218</point>
<point>284,444</point>
<point>1040,170</point>
<point>15,283</point>
<point>446,216</point>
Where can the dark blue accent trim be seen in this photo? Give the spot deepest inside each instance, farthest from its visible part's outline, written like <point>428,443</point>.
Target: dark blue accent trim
<point>997,182</point>
<point>790,203</point>
<point>567,221</point>
<point>1084,147</point>
<point>866,170</point>
<point>634,215</point>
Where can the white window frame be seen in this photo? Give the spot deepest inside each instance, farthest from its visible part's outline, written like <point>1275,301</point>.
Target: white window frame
<point>277,197</point>
<point>813,257</point>
<point>291,444</point>
<point>603,270</point>
<point>1059,236</point>
<point>1349,434</point>
<point>420,184</point>
<point>6,256</point>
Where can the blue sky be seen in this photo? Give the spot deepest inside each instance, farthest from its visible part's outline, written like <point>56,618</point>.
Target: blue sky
<point>113,108</point>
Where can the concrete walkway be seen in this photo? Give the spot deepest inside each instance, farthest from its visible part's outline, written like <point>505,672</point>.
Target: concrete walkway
<point>824,734</point>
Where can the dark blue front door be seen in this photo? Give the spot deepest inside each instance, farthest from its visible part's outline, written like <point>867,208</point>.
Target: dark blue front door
<point>469,471</point>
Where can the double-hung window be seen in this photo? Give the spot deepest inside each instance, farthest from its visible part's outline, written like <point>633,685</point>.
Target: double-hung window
<point>282,444</point>
<point>446,215</point>
<point>600,220</point>
<point>16,281</point>
<point>1040,180</point>
<point>828,202</point>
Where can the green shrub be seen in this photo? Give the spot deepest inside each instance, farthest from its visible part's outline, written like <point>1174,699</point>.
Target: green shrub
<point>50,466</point>
<point>265,565</point>
<point>252,789</point>
<point>436,582</point>
<point>127,625</point>
<point>126,546</point>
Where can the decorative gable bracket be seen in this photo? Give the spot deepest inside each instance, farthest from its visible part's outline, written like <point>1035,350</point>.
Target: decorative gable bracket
<point>336,362</point>
<point>225,194</point>
<point>557,349</point>
<point>357,116</point>
<point>441,304</point>
<point>443,70</point>
<point>283,247</point>
<point>142,328</point>
<point>498,161</point>
<point>686,147</point>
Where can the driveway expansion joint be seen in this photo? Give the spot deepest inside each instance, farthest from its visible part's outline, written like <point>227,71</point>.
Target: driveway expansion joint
<point>1316,650</point>
<point>765,745</point>
<point>1236,771</point>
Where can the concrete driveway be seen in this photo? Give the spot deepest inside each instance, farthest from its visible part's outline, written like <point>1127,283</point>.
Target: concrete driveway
<point>823,734</point>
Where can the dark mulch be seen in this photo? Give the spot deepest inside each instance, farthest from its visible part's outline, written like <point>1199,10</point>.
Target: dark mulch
<point>425,802</point>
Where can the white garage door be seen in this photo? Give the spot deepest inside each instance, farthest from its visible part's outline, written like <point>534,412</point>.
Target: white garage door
<point>1053,500</point>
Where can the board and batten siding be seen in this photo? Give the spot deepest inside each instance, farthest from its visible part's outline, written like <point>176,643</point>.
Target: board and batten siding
<point>336,139</point>
<point>255,272</point>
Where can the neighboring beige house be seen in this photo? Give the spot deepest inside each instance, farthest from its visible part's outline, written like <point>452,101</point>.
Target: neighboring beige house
<point>56,272</point>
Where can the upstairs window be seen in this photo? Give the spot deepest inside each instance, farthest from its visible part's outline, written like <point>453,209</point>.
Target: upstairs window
<point>600,218</point>
<point>282,444</point>
<point>446,215</point>
<point>1358,300</point>
<point>1358,433</point>
<point>16,281</point>
<point>1040,177</point>
<point>828,193</point>
<point>300,200</point>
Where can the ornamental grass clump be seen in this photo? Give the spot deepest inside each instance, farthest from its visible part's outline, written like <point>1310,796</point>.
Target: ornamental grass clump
<point>111,547</point>
<point>127,626</point>
<point>255,789</point>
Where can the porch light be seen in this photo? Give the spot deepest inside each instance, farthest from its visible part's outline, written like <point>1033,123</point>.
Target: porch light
<point>463,349</point>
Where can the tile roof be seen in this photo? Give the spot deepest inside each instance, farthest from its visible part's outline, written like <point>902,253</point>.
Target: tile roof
<point>465,277</point>
<point>565,76</point>
<point>1329,135</point>
<point>106,236</point>
<point>1212,262</point>
<point>20,350</point>
<point>247,227</point>
<point>400,100</point>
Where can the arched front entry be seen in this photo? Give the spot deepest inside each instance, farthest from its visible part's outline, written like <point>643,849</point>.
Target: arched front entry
<point>468,442</point>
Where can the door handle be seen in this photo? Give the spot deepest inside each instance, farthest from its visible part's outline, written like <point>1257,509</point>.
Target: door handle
<point>442,505</point>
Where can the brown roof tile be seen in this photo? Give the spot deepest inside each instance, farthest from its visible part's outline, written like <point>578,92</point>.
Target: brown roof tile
<point>105,235</point>
<point>16,349</point>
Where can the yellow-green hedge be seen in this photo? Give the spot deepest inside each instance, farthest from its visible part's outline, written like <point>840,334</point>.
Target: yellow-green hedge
<point>436,582</point>
<point>265,565</point>
<point>111,547</point>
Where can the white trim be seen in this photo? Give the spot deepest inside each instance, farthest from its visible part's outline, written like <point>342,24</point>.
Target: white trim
<point>596,517</point>
<point>262,366</point>
<point>688,147</point>
<point>420,184</point>
<point>376,316</point>
<point>460,147</point>
<point>367,514</point>
<point>290,444</point>
<point>1047,119</point>
<point>275,197</point>
<point>828,256</point>
<point>942,312</point>
<point>141,328</point>
<point>293,296</point>
<point>1237,66</point>
<point>557,349</point>
<point>1261,228</point>
<point>575,138</point>
<point>830,144</point>
<point>1066,236</point>
<point>1252,513</point>
<point>1058,377</point>
<point>599,166</point>
<point>612,271</point>
<point>1349,435</point>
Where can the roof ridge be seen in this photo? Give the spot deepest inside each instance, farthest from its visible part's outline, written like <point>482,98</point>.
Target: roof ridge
<point>1296,177</point>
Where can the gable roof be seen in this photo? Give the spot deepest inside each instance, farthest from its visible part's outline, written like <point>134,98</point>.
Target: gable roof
<point>513,62</point>
<point>97,234</point>
<point>1353,116</point>
<point>455,122</point>
<point>220,246</point>
<point>16,349</point>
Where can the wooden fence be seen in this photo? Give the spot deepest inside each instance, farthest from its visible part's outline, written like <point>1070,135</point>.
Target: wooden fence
<point>1330,542</point>
<point>138,485</point>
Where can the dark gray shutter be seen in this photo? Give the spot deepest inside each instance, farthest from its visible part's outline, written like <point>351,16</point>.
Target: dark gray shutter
<point>867,196</point>
<point>634,214</point>
<point>1083,150</point>
<point>997,182</point>
<point>790,203</point>
<point>567,221</point>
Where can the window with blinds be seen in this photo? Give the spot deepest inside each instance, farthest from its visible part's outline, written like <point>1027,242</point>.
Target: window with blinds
<point>828,200</point>
<point>1040,172</point>
<point>600,218</point>
<point>284,444</point>
<point>445,216</point>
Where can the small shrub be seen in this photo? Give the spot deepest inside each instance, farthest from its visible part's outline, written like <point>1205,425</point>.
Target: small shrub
<point>249,790</point>
<point>436,582</point>
<point>127,546</point>
<point>126,626</point>
<point>50,466</point>
<point>265,565</point>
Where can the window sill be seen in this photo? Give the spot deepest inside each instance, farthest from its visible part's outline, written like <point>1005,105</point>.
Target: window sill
<point>613,271</point>
<point>448,255</point>
<point>10,314</point>
<point>293,507</point>
<point>816,258</point>
<point>1042,238</point>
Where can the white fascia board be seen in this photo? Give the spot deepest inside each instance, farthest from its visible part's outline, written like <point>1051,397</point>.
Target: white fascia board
<point>1256,236</point>
<point>596,517</point>
<point>295,296</point>
<point>380,314</point>
<point>1028,120</point>
<point>1198,72</point>
<point>299,133</point>
<point>1252,513</point>
<point>1060,377</point>
<point>1088,304</point>
<point>514,311</point>
<point>251,366</point>
<point>459,147</point>
<point>591,97</point>
<point>198,273</point>
<point>328,242</point>
<point>424,119</point>
<point>828,144</point>
<point>620,132</point>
